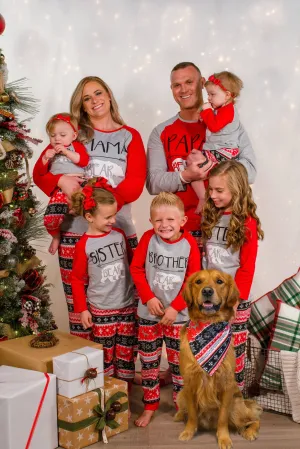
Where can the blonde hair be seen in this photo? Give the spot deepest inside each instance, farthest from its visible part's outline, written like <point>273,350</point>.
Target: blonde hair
<point>230,81</point>
<point>86,132</point>
<point>54,120</point>
<point>101,196</point>
<point>242,205</point>
<point>167,199</point>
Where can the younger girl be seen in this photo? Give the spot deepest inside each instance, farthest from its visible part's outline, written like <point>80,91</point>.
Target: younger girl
<point>64,156</point>
<point>231,230</point>
<point>222,120</point>
<point>101,260</point>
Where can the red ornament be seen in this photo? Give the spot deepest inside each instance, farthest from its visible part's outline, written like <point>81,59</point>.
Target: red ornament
<point>32,279</point>
<point>20,217</point>
<point>1,200</point>
<point>2,24</point>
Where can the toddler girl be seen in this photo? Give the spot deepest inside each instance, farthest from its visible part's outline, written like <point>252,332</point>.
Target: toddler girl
<point>222,120</point>
<point>64,156</point>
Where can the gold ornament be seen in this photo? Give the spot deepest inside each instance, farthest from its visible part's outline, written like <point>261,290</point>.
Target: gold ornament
<point>29,264</point>
<point>8,146</point>
<point>4,274</point>
<point>4,98</point>
<point>8,195</point>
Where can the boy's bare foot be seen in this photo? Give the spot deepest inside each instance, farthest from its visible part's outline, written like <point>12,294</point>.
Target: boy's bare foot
<point>165,378</point>
<point>54,244</point>
<point>144,419</point>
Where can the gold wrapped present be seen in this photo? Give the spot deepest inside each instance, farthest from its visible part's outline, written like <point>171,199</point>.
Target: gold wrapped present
<point>18,352</point>
<point>93,416</point>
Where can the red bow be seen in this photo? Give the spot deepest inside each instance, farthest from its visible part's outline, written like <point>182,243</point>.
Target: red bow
<point>66,119</point>
<point>217,82</point>
<point>101,183</point>
<point>89,201</point>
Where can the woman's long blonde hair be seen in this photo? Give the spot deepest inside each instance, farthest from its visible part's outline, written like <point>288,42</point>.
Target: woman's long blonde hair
<point>86,132</point>
<point>242,205</point>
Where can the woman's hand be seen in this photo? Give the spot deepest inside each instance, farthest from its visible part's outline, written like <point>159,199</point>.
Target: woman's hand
<point>70,184</point>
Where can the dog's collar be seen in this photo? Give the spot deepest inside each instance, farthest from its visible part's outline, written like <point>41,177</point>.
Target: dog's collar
<point>209,343</point>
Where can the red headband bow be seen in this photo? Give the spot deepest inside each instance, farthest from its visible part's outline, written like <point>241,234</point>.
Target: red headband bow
<point>101,183</point>
<point>66,119</point>
<point>217,82</point>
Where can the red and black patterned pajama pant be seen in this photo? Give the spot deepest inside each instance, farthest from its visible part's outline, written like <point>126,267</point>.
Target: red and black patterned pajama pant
<point>115,329</point>
<point>151,336</point>
<point>240,335</point>
<point>55,212</point>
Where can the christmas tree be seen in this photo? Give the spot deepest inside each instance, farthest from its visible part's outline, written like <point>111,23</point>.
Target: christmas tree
<point>24,296</point>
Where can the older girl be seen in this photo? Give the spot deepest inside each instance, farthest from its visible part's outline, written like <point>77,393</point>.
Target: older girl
<point>231,230</point>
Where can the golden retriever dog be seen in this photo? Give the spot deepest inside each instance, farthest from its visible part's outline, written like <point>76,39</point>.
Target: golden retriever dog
<point>213,401</point>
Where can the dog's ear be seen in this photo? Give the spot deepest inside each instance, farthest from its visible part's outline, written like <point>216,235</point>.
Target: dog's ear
<point>187,291</point>
<point>233,293</point>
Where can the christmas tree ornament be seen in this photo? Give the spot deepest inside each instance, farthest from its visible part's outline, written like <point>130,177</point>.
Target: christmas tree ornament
<point>33,262</point>
<point>11,261</point>
<point>32,279</point>
<point>20,218</point>
<point>2,24</point>
<point>116,406</point>
<point>4,274</point>
<point>110,415</point>
<point>7,114</point>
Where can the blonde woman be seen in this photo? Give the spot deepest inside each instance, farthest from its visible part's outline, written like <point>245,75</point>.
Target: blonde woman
<point>116,152</point>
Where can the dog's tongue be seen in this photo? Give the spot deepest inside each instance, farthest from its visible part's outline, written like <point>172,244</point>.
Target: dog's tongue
<point>208,305</point>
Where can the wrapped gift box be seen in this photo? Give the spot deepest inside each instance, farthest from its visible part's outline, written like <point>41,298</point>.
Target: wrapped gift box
<point>81,420</point>
<point>19,353</point>
<point>27,409</point>
<point>75,369</point>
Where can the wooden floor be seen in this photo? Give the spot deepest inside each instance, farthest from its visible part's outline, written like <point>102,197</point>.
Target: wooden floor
<point>277,431</point>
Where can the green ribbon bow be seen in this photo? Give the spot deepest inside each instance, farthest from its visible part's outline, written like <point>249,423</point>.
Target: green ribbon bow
<point>100,415</point>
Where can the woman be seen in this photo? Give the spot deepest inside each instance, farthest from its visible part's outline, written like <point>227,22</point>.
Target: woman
<point>116,153</point>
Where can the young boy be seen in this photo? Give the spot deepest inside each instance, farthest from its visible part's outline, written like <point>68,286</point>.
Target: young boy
<point>165,257</point>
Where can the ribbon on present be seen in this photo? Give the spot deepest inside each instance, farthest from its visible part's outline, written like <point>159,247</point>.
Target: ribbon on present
<point>36,418</point>
<point>90,373</point>
<point>99,418</point>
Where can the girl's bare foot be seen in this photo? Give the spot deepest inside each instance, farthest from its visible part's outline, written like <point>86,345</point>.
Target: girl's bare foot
<point>54,244</point>
<point>144,419</point>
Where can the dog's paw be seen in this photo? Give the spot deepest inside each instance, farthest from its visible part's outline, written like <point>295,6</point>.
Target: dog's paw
<point>225,442</point>
<point>186,435</point>
<point>250,433</point>
<point>180,416</point>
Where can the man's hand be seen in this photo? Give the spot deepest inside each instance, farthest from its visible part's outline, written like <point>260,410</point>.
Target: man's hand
<point>86,319</point>
<point>69,184</point>
<point>155,307</point>
<point>169,316</point>
<point>206,106</point>
<point>195,173</point>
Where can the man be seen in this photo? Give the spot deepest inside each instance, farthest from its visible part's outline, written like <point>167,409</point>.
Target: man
<point>171,141</point>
